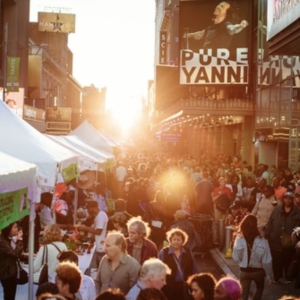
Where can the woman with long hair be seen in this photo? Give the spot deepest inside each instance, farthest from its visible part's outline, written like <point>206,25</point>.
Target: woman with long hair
<point>11,248</point>
<point>253,254</point>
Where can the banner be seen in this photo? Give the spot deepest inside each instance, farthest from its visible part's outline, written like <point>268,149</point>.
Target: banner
<point>13,207</point>
<point>12,74</point>
<point>214,39</point>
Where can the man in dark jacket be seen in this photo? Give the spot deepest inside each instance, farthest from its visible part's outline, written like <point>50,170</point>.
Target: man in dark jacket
<point>280,226</point>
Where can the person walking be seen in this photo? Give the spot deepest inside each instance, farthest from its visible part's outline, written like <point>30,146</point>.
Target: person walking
<point>279,229</point>
<point>253,254</point>
<point>202,286</point>
<point>180,260</point>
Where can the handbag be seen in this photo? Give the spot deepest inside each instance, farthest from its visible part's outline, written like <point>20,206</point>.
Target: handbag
<point>223,203</point>
<point>185,288</point>
<point>41,276</point>
<point>23,275</point>
<point>287,241</point>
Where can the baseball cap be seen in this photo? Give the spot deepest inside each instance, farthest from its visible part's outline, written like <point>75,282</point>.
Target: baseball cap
<point>289,194</point>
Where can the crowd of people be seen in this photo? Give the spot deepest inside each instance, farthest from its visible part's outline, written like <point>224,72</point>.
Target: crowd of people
<point>140,218</point>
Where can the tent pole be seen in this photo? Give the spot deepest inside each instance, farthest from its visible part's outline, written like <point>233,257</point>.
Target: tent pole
<point>31,249</point>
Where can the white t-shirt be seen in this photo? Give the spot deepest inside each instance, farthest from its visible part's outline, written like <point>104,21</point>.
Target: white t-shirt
<point>121,173</point>
<point>100,222</point>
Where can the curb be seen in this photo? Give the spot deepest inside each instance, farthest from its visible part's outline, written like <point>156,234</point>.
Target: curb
<point>222,262</point>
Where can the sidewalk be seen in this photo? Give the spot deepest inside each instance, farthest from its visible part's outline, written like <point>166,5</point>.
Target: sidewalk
<point>271,292</point>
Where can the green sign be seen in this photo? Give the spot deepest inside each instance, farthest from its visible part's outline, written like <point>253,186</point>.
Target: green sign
<point>12,74</point>
<point>70,172</point>
<point>13,207</point>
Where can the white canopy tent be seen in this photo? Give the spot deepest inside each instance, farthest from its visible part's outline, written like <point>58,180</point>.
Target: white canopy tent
<point>82,144</point>
<point>87,161</point>
<point>89,133</point>
<point>17,175</point>
<point>19,139</point>
<point>111,138</point>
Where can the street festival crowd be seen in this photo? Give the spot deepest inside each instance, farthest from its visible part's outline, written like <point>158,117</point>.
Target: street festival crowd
<point>146,220</point>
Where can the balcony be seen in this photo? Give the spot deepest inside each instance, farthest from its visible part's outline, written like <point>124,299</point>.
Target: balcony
<point>233,107</point>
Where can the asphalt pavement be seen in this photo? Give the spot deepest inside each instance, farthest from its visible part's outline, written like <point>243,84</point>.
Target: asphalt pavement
<point>271,292</point>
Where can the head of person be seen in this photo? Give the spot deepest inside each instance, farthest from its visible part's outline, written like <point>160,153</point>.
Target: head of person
<point>288,199</point>
<point>111,294</point>
<point>153,273</point>
<point>115,245</point>
<point>235,179</point>
<point>248,227</point>
<point>92,208</point>
<point>47,287</point>
<point>250,182</point>
<point>268,191</point>
<point>119,219</point>
<point>297,199</point>
<point>120,205</point>
<point>52,233</point>
<point>228,288</point>
<point>151,294</point>
<point>262,182</point>
<point>159,197</point>
<point>177,238</point>
<point>50,296</point>
<point>68,255</point>
<point>68,278</point>
<point>46,200</point>
<point>180,215</point>
<point>137,229</point>
<point>275,182</point>
<point>10,230</point>
<point>222,181</point>
<point>202,286</point>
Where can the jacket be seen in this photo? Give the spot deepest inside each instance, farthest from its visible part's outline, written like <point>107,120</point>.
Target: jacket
<point>149,249</point>
<point>260,256</point>
<point>9,257</point>
<point>277,221</point>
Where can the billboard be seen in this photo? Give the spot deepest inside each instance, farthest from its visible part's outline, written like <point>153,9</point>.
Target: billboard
<point>214,39</point>
<point>280,15</point>
<point>15,100</point>
<point>56,22</point>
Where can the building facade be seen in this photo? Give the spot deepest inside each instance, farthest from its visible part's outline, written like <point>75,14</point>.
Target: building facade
<point>226,95</point>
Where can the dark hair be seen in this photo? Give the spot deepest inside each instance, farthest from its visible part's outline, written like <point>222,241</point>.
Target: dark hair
<point>68,255</point>
<point>206,282</point>
<point>111,294</point>
<point>47,287</point>
<point>151,293</point>
<point>270,189</point>
<point>248,228</point>
<point>6,231</point>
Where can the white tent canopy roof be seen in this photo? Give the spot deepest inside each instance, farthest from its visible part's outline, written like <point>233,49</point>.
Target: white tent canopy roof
<point>89,133</point>
<point>19,139</point>
<point>16,174</point>
<point>87,161</point>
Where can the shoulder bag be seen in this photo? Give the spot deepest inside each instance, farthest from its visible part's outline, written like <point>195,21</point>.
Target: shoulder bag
<point>185,288</point>
<point>41,276</point>
<point>22,276</point>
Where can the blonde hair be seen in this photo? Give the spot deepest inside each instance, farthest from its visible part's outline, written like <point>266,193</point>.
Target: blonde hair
<point>52,233</point>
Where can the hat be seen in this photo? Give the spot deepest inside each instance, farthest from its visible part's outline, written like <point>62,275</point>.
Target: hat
<point>86,180</point>
<point>46,199</point>
<point>236,204</point>
<point>289,194</point>
<point>92,204</point>
<point>180,214</point>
